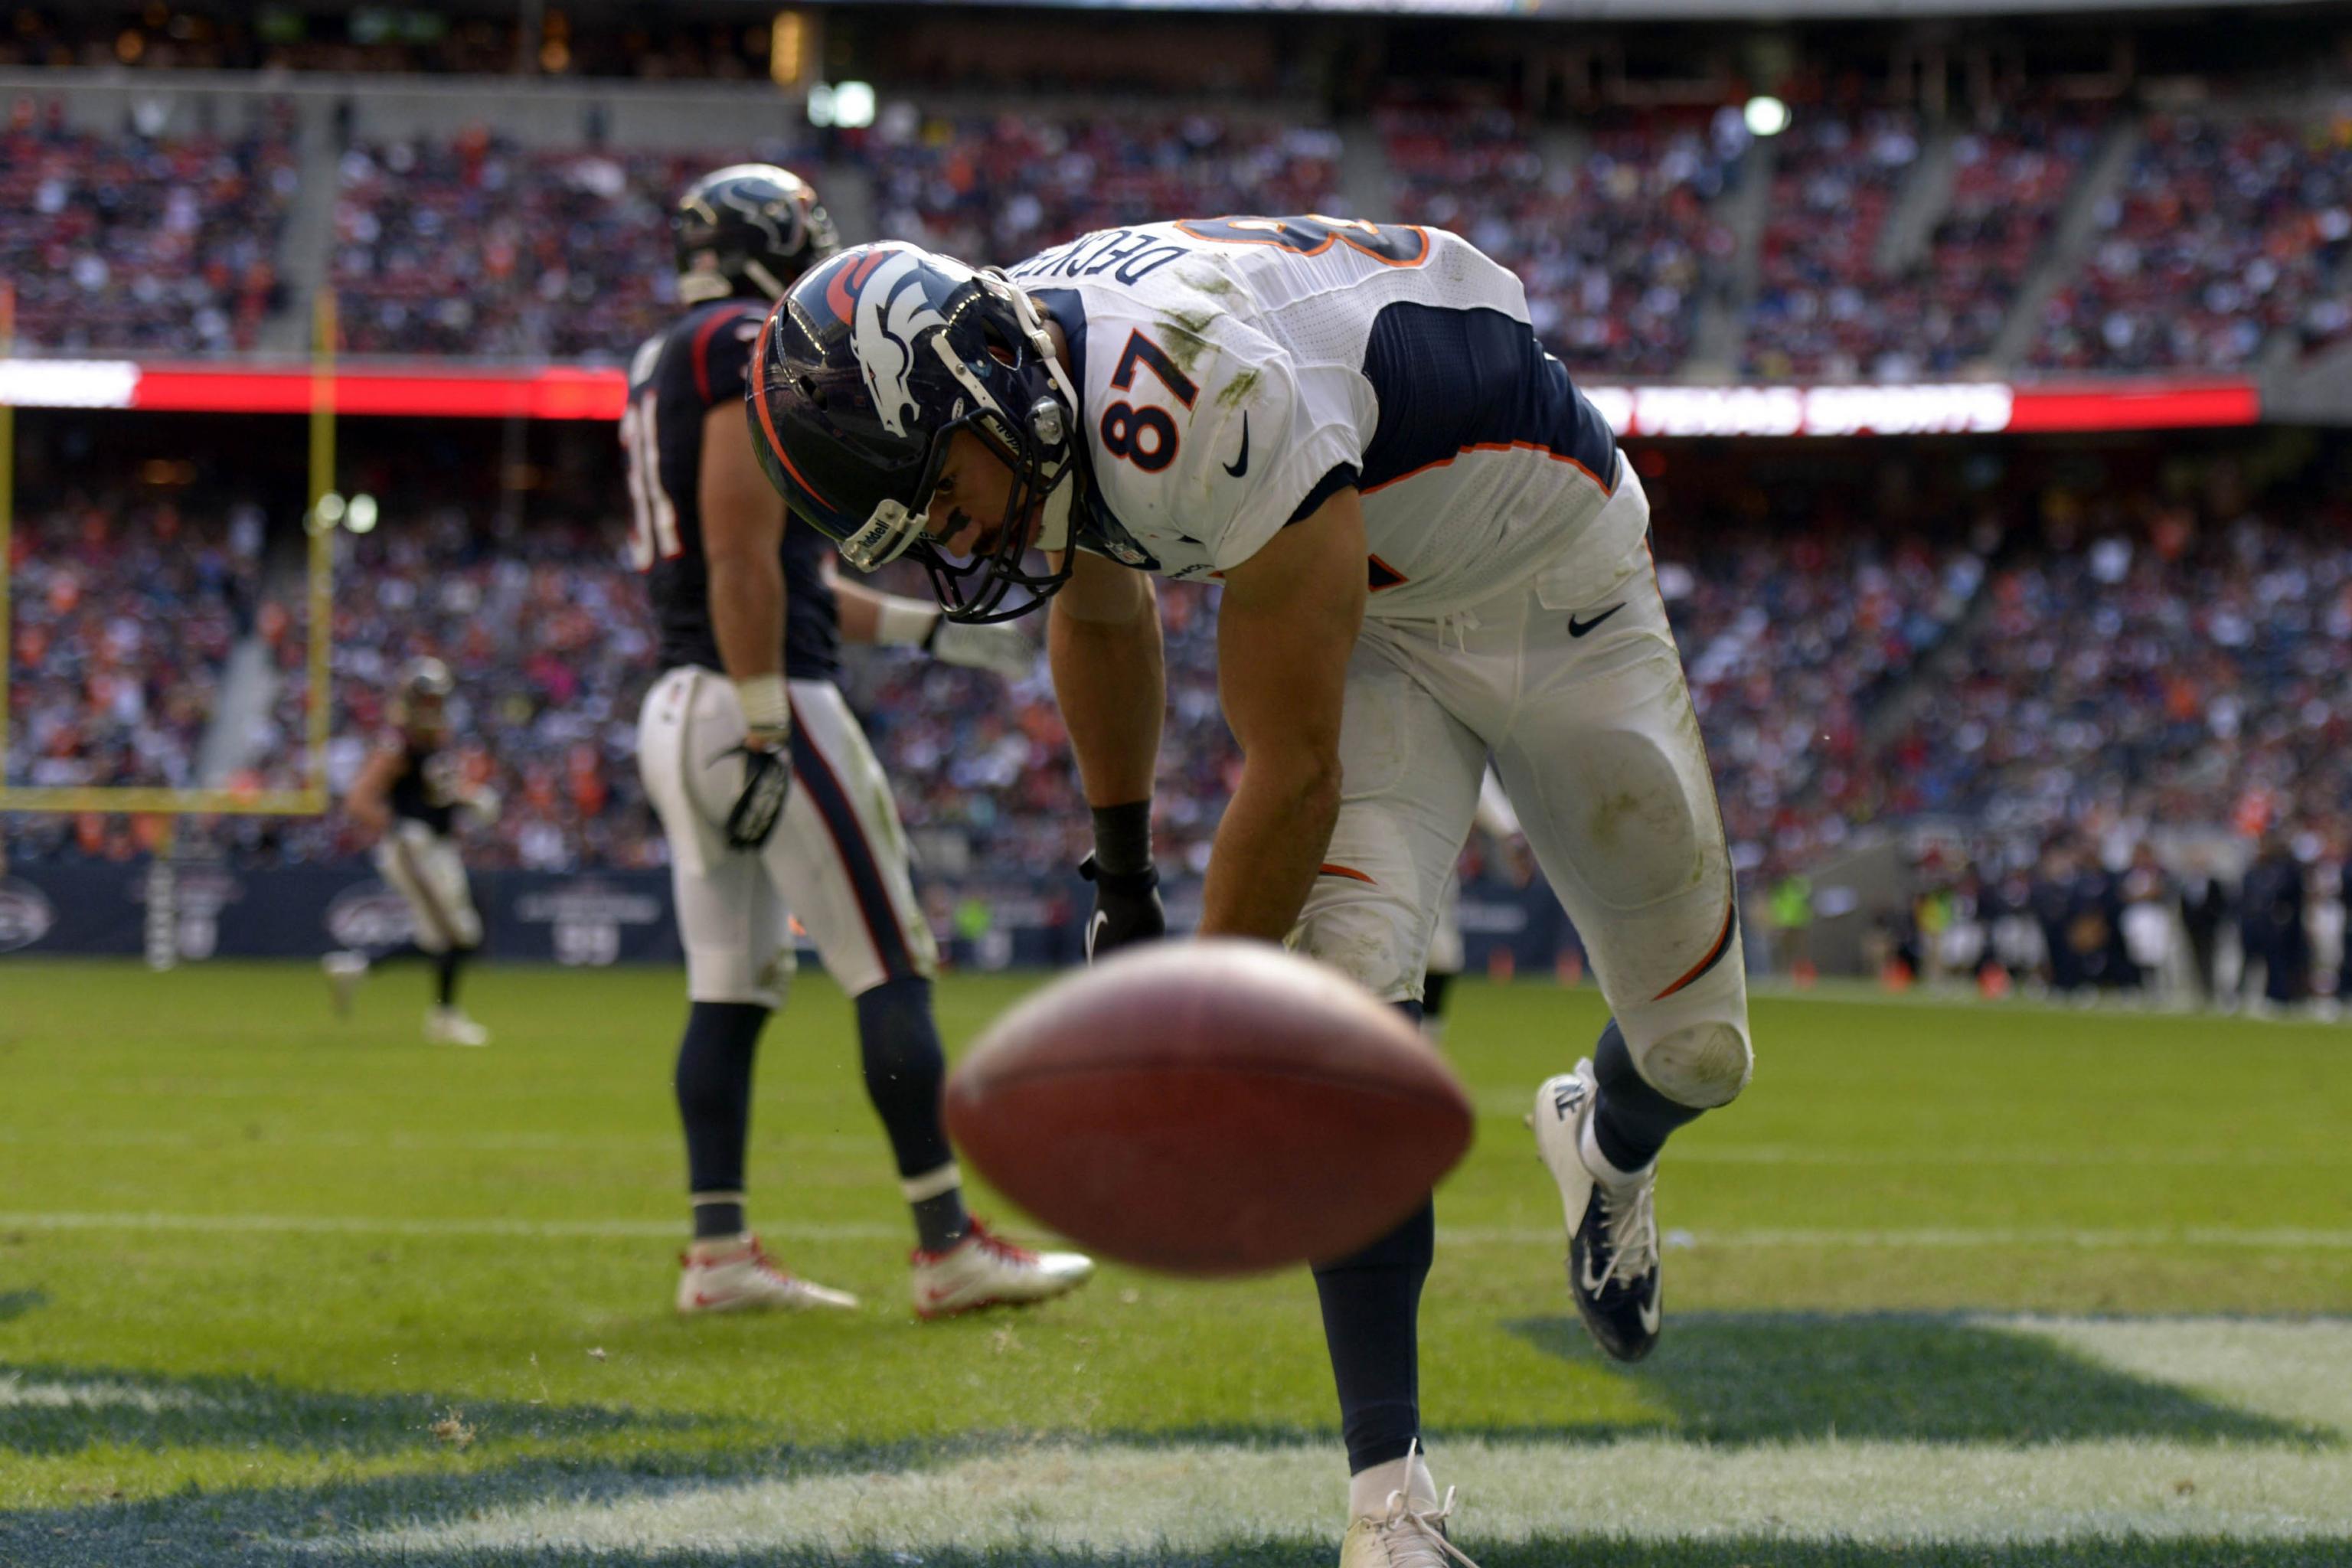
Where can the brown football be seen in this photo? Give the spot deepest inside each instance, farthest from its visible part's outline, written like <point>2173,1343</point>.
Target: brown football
<point>1209,1108</point>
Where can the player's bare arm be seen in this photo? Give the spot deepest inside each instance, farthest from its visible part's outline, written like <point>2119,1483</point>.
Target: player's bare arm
<point>1285,631</point>
<point>743,532</point>
<point>1102,640</point>
<point>369,801</point>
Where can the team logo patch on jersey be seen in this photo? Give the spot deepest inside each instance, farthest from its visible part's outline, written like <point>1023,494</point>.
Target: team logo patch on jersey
<point>890,311</point>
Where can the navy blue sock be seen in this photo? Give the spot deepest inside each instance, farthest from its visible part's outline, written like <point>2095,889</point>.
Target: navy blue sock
<point>1630,1120</point>
<point>1372,1322</point>
<point>446,967</point>
<point>899,1045</point>
<point>714,1102</point>
<point>1433,994</point>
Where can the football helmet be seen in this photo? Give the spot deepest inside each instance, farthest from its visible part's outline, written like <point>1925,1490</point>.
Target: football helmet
<point>748,228</point>
<point>423,685</point>
<point>864,372</point>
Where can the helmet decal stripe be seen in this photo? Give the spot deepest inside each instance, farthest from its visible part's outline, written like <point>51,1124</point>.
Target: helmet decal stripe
<point>837,291</point>
<point>767,421</point>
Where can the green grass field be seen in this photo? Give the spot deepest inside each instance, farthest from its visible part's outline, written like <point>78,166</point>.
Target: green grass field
<point>1950,1285</point>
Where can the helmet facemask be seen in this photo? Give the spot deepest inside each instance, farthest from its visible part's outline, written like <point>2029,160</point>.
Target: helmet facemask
<point>1040,452</point>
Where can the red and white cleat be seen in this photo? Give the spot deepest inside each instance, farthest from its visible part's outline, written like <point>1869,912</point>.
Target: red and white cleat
<point>739,1276</point>
<point>982,1270</point>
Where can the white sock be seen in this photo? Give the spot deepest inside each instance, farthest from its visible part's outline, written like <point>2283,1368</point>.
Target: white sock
<point>1588,1145</point>
<point>1367,1490</point>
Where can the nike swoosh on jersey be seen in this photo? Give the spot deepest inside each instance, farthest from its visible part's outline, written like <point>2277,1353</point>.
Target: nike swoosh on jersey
<point>1094,932</point>
<point>1240,465</point>
<point>1577,628</point>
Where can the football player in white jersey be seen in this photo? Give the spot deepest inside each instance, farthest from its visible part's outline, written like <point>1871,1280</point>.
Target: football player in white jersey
<point>1430,551</point>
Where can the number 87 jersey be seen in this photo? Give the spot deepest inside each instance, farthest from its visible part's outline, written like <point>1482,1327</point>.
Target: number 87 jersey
<point>1235,372</point>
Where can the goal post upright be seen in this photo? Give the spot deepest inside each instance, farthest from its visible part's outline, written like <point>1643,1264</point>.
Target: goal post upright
<point>310,798</point>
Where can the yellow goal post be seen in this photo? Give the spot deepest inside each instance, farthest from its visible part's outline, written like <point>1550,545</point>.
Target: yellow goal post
<point>310,798</point>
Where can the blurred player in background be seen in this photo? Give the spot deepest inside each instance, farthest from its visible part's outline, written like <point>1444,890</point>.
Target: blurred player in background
<point>1495,819</point>
<point>408,795</point>
<point>1430,554</point>
<point>772,801</point>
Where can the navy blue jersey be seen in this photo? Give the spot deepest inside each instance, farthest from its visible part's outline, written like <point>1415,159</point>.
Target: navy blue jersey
<point>674,380</point>
<point>420,792</point>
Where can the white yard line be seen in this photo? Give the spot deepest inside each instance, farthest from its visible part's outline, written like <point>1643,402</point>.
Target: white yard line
<point>1933,1238</point>
<point>20,1393</point>
<point>1199,1497</point>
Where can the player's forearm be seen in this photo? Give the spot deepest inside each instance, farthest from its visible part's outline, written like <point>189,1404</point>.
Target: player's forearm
<point>747,615</point>
<point>1112,686</point>
<point>1270,845</point>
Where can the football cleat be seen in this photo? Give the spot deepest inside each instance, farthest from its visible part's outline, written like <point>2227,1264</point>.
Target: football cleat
<point>1612,1227</point>
<point>450,1027</point>
<point>1404,1536</point>
<point>344,972</point>
<point>739,1276</point>
<point>983,1270</point>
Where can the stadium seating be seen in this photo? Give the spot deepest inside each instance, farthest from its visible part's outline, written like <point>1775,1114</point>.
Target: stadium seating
<point>994,189</point>
<point>479,246</point>
<point>1821,313</point>
<point>2227,233</point>
<point>132,242</point>
<point>1618,250</point>
<point>122,615</point>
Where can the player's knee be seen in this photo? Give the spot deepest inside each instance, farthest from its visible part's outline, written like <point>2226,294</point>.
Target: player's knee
<point>731,975</point>
<point>467,934</point>
<point>1701,1065</point>
<point>1366,942</point>
<point>1643,833</point>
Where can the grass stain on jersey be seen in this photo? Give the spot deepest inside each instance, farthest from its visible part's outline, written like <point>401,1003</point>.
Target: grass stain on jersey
<point>1182,332</point>
<point>1238,391</point>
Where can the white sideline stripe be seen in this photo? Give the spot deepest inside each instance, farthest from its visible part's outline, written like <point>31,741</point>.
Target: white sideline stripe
<point>1495,1106</point>
<point>366,1225</point>
<point>1201,1497</point>
<point>16,1393</point>
<point>2275,1239</point>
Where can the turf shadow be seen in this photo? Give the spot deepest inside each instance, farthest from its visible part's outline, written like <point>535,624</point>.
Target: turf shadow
<point>1754,1377</point>
<point>79,1406</point>
<point>16,1303</point>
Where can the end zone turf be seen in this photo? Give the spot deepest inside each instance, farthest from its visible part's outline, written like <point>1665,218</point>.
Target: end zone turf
<point>1950,1285</point>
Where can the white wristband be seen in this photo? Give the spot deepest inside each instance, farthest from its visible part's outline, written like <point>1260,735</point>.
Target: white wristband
<point>765,706</point>
<point>903,623</point>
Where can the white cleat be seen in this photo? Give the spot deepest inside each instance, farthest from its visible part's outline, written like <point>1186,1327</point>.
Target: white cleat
<point>739,1276</point>
<point>450,1027</point>
<point>1407,1535</point>
<point>344,970</point>
<point>981,1270</point>
<point>1612,1227</point>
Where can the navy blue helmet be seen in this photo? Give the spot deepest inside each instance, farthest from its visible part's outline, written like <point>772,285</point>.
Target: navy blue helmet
<point>748,228</point>
<point>865,371</point>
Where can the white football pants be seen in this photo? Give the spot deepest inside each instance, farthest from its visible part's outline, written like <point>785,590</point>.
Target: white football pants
<point>1572,681</point>
<point>837,860</point>
<point>425,869</point>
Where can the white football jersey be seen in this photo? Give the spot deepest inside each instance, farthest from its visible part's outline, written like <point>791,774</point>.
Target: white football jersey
<point>1233,371</point>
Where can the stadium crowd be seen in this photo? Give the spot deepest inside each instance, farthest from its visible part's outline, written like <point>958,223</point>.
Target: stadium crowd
<point>2230,233</point>
<point>476,246</point>
<point>122,614</point>
<point>1618,245</point>
<point>141,242</point>
<point>2227,233</point>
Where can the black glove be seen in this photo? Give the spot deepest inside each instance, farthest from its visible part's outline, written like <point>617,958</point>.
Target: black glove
<point>1127,908</point>
<point>767,781</point>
